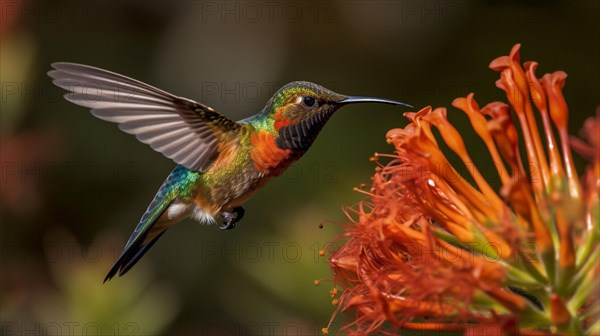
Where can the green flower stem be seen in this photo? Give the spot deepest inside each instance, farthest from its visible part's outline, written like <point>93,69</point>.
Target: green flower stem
<point>519,278</point>
<point>549,260</point>
<point>584,270</point>
<point>582,291</point>
<point>448,238</point>
<point>591,241</point>
<point>485,303</point>
<point>528,266</point>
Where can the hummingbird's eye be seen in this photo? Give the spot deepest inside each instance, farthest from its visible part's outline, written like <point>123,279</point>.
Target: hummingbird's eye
<point>309,101</point>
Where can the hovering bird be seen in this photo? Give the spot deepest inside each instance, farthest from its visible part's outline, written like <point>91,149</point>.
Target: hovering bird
<point>220,163</point>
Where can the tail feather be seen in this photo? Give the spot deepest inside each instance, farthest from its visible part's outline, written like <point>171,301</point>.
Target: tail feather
<point>139,243</point>
<point>139,254</point>
<point>130,257</point>
<point>153,224</point>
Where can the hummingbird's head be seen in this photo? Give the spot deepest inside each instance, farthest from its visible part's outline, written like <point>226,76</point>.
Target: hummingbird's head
<point>301,109</point>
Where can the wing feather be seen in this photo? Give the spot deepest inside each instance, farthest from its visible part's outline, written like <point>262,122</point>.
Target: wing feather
<point>181,129</point>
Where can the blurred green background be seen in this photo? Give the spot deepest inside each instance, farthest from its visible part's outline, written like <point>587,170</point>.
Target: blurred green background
<point>73,187</point>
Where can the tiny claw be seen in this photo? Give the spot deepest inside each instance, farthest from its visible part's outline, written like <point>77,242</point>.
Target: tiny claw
<point>228,221</point>
<point>230,218</point>
<point>228,226</point>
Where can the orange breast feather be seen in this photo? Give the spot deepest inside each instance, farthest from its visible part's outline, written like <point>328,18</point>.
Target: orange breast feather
<point>265,154</point>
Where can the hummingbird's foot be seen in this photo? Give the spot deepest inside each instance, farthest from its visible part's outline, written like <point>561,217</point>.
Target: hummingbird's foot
<point>230,218</point>
<point>239,213</point>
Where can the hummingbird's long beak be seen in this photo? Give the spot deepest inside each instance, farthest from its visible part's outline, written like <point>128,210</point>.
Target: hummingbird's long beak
<point>360,99</point>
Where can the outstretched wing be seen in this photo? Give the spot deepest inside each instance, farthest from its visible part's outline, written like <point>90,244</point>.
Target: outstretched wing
<point>181,129</point>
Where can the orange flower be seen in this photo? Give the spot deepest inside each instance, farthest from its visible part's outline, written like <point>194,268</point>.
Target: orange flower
<point>432,249</point>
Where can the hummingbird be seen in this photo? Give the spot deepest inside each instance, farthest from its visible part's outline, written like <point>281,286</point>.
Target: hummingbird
<point>220,163</point>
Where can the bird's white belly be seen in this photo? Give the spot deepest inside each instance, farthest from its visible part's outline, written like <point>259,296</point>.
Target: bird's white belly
<point>179,211</point>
